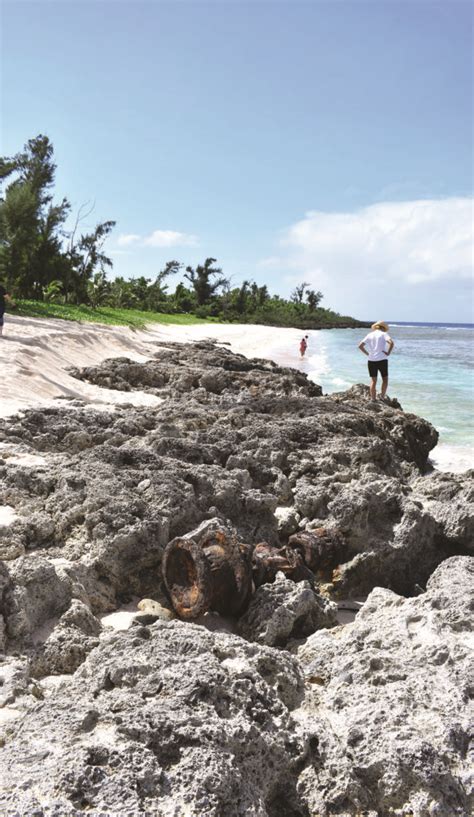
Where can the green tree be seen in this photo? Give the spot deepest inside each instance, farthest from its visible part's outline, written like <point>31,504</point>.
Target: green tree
<point>30,225</point>
<point>98,289</point>
<point>313,299</point>
<point>158,296</point>
<point>263,295</point>
<point>18,234</point>
<point>241,300</point>
<point>184,299</point>
<point>87,258</point>
<point>32,234</point>
<point>121,295</point>
<point>298,293</point>
<point>53,293</point>
<point>201,280</point>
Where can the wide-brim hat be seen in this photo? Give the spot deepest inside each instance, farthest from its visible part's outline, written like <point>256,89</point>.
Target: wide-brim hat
<point>380,325</point>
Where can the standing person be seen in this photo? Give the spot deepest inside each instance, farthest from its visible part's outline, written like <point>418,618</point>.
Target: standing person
<point>303,345</point>
<point>379,346</point>
<point>4,298</point>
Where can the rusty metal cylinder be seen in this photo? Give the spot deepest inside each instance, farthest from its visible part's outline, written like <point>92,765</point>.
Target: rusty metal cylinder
<point>212,575</point>
<point>320,549</point>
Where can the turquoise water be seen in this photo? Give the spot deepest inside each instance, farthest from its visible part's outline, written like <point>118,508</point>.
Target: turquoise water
<point>431,372</point>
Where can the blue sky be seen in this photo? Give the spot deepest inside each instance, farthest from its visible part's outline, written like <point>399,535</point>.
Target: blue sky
<point>328,142</point>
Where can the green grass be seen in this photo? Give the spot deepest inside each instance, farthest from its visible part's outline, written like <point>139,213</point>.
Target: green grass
<point>103,314</point>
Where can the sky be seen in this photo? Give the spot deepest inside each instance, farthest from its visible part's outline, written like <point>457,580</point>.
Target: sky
<point>317,141</point>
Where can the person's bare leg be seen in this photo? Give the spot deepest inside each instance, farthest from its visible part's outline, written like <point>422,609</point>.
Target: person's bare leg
<point>384,387</point>
<point>372,389</point>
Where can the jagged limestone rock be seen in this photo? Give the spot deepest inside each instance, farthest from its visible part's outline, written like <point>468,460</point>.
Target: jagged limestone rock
<point>284,610</point>
<point>169,719</point>
<point>389,701</point>
<point>174,718</point>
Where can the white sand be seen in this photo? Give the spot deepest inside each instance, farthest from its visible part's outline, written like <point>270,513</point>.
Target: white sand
<point>35,354</point>
<point>7,515</point>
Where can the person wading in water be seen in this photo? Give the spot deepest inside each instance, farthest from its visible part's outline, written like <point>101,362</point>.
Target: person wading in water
<point>303,345</point>
<point>379,346</point>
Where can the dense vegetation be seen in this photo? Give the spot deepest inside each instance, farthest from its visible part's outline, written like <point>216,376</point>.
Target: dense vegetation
<point>135,318</point>
<point>42,262</point>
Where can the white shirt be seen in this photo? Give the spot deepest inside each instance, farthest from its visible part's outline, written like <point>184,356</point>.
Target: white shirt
<point>376,343</point>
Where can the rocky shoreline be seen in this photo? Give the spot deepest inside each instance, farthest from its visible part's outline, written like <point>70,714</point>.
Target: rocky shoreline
<point>279,710</point>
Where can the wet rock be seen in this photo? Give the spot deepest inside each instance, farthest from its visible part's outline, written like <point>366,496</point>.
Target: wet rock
<point>283,611</point>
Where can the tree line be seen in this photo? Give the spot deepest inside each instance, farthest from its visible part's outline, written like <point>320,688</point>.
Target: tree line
<point>41,260</point>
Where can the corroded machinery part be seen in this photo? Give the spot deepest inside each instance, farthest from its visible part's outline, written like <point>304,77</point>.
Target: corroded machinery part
<point>320,549</point>
<point>267,561</point>
<point>213,575</point>
<point>187,577</point>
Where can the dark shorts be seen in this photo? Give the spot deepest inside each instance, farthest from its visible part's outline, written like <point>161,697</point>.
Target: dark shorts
<point>376,366</point>
<point>2,318</point>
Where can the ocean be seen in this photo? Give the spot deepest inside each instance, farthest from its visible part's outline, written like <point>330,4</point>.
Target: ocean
<point>431,371</point>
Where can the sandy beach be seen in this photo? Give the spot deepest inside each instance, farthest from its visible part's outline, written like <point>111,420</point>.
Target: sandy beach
<point>36,353</point>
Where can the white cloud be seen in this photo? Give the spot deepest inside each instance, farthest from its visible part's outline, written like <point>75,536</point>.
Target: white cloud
<point>126,240</point>
<point>395,258</point>
<point>158,238</point>
<point>411,242</point>
<point>170,238</point>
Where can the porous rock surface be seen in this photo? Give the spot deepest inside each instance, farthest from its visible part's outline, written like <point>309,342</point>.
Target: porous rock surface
<point>369,719</point>
<point>257,449</point>
<point>283,610</point>
<point>390,699</point>
<point>450,500</point>
<point>169,720</point>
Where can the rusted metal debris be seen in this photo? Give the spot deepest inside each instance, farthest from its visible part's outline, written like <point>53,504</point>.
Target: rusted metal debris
<point>216,572</point>
<point>268,560</point>
<point>219,573</point>
<point>320,549</point>
<point>213,575</point>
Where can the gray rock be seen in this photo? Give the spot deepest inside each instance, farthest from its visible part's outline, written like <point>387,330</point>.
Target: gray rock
<point>11,547</point>
<point>65,648</point>
<point>175,718</point>
<point>449,498</point>
<point>283,610</point>
<point>389,704</point>
<point>36,593</point>
<point>399,559</point>
<point>144,476</point>
<point>169,719</point>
